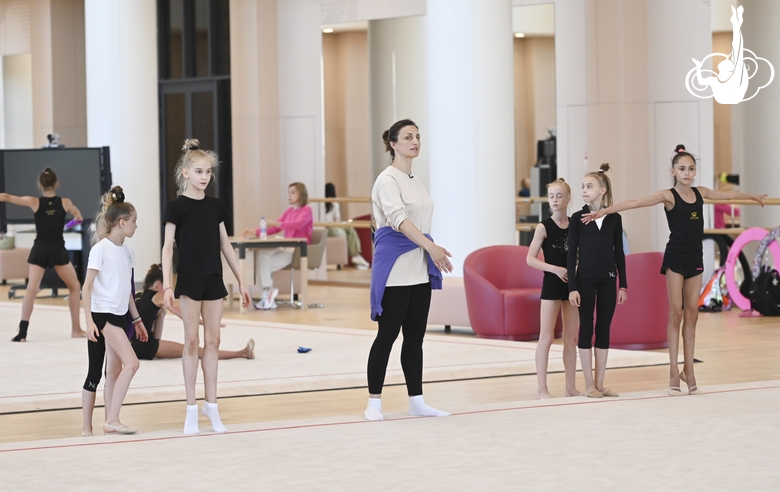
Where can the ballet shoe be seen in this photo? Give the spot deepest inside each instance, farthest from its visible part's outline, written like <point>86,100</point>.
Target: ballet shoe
<point>609,393</point>
<point>540,397</point>
<point>573,396</point>
<point>692,390</point>
<point>120,429</point>
<point>595,394</point>
<point>675,391</point>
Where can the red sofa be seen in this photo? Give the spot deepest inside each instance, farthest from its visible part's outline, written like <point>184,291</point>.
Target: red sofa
<point>502,293</point>
<point>640,323</point>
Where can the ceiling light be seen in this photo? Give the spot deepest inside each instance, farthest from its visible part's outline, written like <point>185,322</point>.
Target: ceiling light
<point>519,34</point>
<point>328,30</point>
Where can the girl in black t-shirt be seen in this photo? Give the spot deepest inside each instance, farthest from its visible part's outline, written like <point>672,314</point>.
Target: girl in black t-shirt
<point>196,223</point>
<point>683,263</point>
<point>150,308</point>
<point>551,237</point>
<point>48,250</point>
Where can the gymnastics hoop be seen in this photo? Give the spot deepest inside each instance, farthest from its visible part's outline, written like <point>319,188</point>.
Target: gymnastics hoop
<point>752,234</point>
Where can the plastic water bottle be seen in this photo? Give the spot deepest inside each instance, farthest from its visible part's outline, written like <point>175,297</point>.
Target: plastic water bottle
<point>263,228</point>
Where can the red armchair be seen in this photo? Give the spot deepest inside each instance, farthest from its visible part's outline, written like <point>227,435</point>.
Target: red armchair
<point>640,323</point>
<point>503,293</point>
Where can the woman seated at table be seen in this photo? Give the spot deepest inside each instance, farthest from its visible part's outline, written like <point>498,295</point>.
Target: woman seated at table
<point>333,214</point>
<point>296,221</point>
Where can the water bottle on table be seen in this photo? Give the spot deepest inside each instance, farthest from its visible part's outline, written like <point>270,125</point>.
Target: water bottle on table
<point>263,228</point>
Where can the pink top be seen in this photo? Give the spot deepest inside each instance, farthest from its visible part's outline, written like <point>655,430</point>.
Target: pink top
<point>295,222</point>
<point>723,208</point>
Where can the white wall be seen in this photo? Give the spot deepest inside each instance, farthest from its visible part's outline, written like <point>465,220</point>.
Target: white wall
<point>17,106</point>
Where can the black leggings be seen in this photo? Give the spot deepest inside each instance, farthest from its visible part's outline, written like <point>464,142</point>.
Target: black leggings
<point>603,297</point>
<point>406,306</point>
<point>97,352</point>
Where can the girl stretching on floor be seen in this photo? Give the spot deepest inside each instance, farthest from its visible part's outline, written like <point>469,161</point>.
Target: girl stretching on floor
<point>152,312</point>
<point>48,250</point>
<point>595,258</point>
<point>108,299</point>
<point>683,259</point>
<point>196,222</point>
<point>551,236</point>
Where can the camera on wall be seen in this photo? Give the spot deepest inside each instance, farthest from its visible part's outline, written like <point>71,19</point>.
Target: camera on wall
<point>54,141</point>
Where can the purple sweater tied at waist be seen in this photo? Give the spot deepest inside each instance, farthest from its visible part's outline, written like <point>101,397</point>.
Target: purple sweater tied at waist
<point>388,246</point>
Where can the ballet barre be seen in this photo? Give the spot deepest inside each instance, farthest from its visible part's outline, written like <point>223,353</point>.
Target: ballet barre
<point>348,199</point>
<point>359,224</point>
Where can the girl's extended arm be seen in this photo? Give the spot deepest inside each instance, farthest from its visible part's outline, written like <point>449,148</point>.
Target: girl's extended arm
<point>22,201</point>
<point>533,252</point>
<point>86,299</point>
<point>663,196</point>
<point>67,204</point>
<point>167,264</point>
<point>730,195</point>
<point>438,254</point>
<point>140,329</point>
<point>230,257</point>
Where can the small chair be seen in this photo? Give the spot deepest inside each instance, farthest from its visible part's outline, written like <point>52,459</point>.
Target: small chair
<point>336,251</point>
<point>641,322</point>
<point>366,239</point>
<point>13,264</point>
<point>503,293</point>
<point>315,255</point>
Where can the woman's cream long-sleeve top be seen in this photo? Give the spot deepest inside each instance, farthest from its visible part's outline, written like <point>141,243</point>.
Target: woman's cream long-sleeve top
<point>397,197</point>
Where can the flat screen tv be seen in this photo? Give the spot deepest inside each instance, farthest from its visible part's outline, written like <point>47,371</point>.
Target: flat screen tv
<point>84,175</point>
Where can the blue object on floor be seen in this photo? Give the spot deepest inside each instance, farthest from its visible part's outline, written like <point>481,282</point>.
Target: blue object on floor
<point>303,350</point>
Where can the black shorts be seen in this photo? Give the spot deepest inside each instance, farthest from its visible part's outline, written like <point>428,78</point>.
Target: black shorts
<point>146,350</point>
<point>686,272</point>
<point>206,288</point>
<point>118,320</point>
<point>554,289</point>
<point>48,255</point>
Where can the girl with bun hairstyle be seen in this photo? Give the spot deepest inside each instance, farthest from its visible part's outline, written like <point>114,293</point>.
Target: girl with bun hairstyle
<point>196,223</point>
<point>551,237</point>
<point>152,312</point>
<point>407,265</point>
<point>108,299</point>
<point>595,258</point>
<point>48,249</point>
<point>683,261</point>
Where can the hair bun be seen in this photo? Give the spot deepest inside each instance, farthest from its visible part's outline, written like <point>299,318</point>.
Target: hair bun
<point>679,148</point>
<point>604,167</point>
<point>386,140</point>
<point>117,194</point>
<point>190,144</point>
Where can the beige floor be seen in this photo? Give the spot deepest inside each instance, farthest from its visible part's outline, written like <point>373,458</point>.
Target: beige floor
<point>733,351</point>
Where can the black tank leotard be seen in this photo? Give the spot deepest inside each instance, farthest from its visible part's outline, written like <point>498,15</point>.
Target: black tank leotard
<point>686,226</point>
<point>556,252</point>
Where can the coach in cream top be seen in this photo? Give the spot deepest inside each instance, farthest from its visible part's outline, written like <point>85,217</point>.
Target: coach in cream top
<point>397,197</point>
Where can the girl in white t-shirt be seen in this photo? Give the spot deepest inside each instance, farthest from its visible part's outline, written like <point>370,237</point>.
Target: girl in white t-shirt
<point>108,298</point>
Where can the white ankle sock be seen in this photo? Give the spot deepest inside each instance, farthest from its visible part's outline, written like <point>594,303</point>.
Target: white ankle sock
<point>191,421</point>
<point>374,409</point>
<point>210,411</point>
<point>418,408</point>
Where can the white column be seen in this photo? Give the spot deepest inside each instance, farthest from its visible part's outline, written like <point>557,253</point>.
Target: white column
<point>300,95</point>
<point>122,112</point>
<point>399,85</point>
<point>471,118</point>
<point>761,115</point>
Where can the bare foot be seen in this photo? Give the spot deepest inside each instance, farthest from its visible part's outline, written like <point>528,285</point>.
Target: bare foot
<point>78,334</point>
<point>250,349</point>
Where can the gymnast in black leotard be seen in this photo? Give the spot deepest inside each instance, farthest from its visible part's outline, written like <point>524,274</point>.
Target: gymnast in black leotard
<point>682,262</point>
<point>48,250</point>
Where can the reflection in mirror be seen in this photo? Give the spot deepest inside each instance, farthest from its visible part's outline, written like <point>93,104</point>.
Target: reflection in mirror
<point>535,148</point>
<point>346,122</point>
